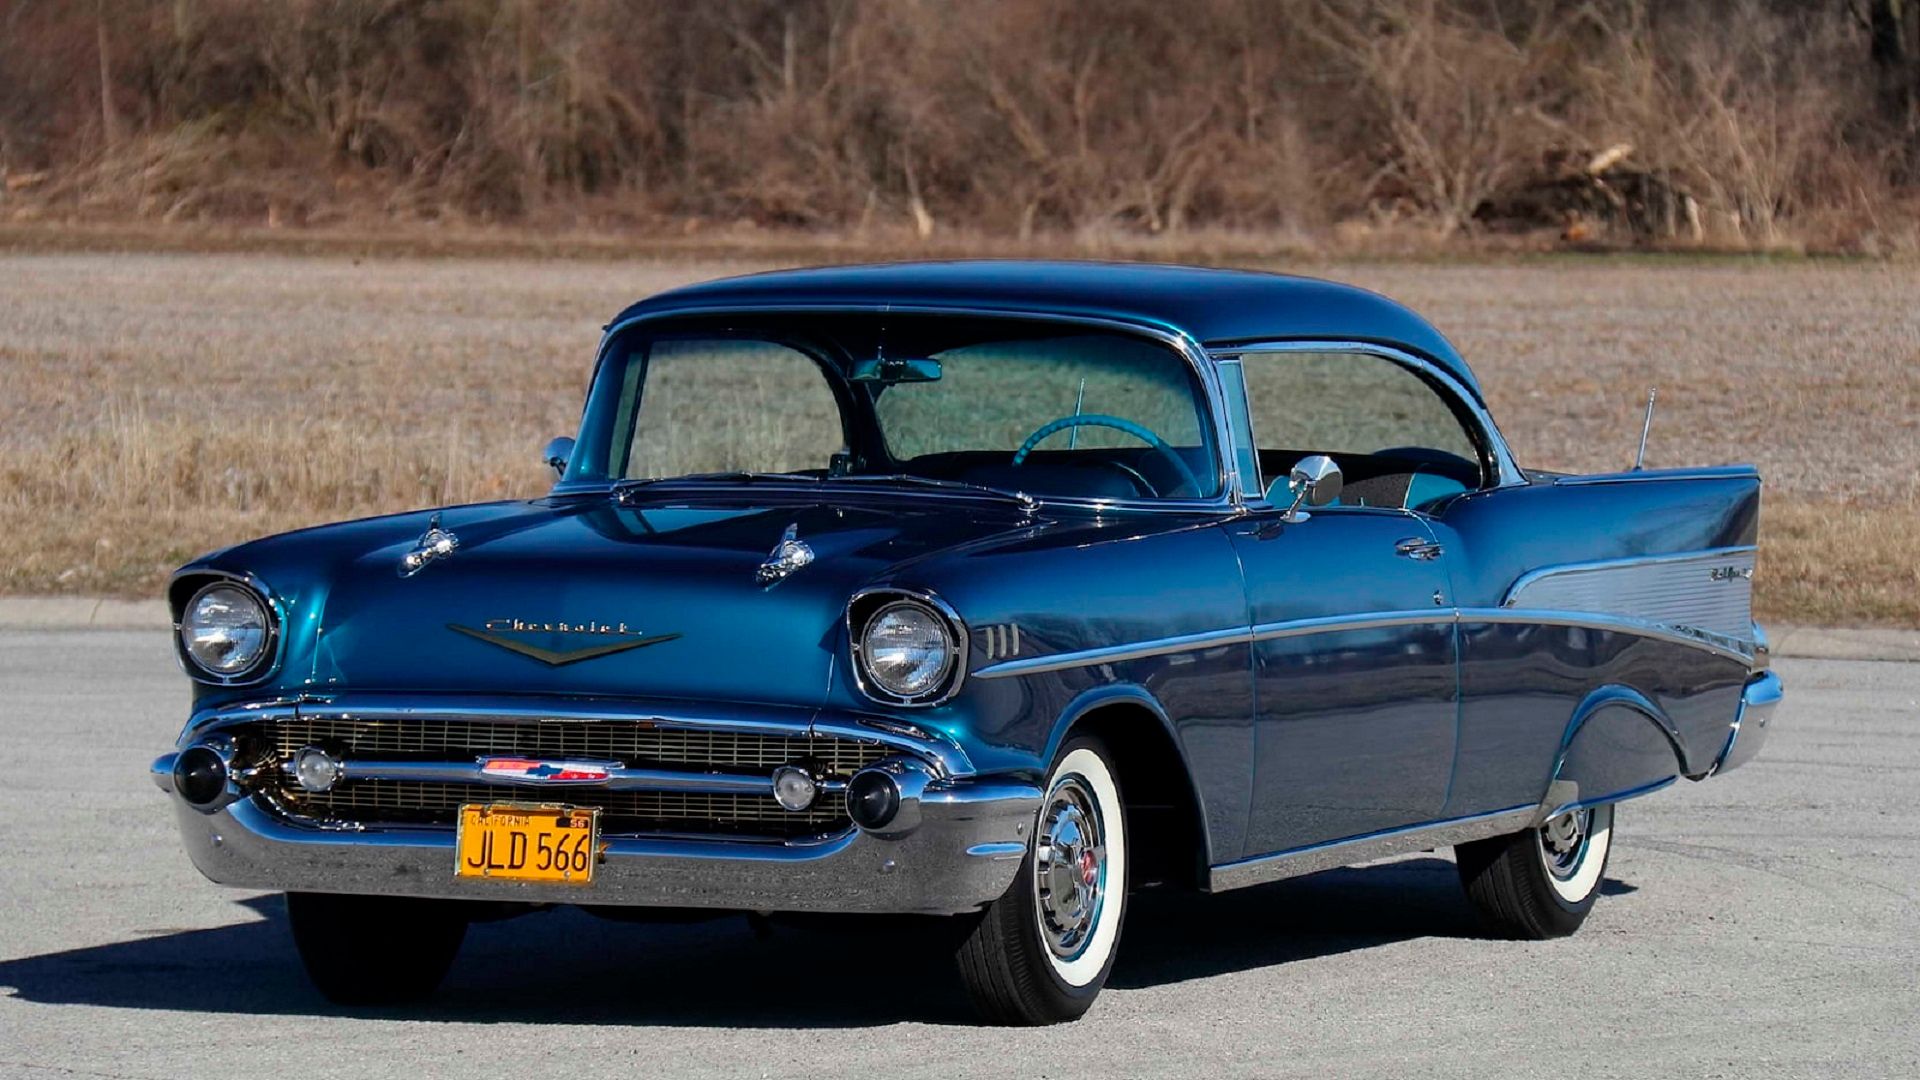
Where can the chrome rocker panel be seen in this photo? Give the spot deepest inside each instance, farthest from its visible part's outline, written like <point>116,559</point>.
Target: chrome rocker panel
<point>963,853</point>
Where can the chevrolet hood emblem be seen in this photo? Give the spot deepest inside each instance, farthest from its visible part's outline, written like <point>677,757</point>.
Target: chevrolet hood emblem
<point>496,630</point>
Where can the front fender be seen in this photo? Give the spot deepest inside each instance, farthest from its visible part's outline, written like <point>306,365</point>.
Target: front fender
<point>1133,696</point>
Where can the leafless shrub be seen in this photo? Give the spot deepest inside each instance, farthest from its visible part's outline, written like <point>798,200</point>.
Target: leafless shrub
<point>1014,118</point>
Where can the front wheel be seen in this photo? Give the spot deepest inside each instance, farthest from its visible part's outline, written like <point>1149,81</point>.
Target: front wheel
<point>1041,953</point>
<point>1542,882</point>
<point>375,950</point>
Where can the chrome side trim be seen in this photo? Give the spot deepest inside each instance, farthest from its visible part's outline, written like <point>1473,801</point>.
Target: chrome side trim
<point>1338,623</point>
<point>1520,583</point>
<point>1113,654</point>
<point>1721,645</point>
<point>1709,590</point>
<point>1336,853</point>
<point>1650,476</point>
<point>1506,473</point>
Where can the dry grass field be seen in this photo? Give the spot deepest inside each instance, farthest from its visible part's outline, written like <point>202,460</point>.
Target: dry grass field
<point>156,405</point>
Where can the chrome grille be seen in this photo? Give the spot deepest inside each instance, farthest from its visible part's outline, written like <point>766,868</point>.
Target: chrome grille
<point>410,801</point>
<point>637,743</point>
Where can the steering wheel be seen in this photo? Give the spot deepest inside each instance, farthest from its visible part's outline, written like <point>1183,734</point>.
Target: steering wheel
<point>1117,423</point>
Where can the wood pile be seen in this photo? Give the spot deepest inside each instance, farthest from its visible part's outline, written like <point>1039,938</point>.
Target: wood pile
<point>1597,198</point>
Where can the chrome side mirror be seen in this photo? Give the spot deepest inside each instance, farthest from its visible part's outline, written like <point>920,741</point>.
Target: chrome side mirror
<point>1315,481</point>
<point>557,454</point>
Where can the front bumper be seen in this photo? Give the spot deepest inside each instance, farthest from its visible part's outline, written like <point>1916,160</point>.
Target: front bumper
<point>1750,725</point>
<point>962,854</point>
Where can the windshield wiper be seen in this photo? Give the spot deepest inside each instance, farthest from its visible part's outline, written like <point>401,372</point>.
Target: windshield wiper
<point>739,476</point>
<point>1025,500</point>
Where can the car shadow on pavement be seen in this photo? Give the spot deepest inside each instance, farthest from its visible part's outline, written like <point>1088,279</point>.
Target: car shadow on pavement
<point>565,966</point>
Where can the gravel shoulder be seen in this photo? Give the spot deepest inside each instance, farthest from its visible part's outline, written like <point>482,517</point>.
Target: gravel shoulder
<point>1761,924</point>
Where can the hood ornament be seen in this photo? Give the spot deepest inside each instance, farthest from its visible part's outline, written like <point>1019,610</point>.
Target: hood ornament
<point>790,554</point>
<point>435,543</point>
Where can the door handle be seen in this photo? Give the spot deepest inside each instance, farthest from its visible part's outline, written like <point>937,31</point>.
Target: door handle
<point>1414,547</point>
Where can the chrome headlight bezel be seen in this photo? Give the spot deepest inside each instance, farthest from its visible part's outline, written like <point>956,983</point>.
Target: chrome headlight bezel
<point>259,666</point>
<point>868,606</point>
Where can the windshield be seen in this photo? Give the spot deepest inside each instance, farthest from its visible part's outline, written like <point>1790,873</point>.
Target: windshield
<point>1036,408</point>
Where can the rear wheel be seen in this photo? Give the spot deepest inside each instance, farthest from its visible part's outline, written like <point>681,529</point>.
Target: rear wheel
<point>1041,953</point>
<point>375,950</point>
<point>1542,882</point>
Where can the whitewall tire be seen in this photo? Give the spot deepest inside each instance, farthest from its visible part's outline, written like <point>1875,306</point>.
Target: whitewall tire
<point>1041,953</point>
<point>1540,883</point>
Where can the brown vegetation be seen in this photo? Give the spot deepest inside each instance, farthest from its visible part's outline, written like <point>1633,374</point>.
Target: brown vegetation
<point>156,406</point>
<point>1302,122</point>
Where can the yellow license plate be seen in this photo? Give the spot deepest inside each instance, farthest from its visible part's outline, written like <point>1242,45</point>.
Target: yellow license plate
<point>515,842</point>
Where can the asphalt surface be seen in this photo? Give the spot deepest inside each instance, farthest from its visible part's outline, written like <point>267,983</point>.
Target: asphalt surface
<point>1766,923</point>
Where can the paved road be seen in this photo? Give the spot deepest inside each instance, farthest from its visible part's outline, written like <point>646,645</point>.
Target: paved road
<point>1764,924</point>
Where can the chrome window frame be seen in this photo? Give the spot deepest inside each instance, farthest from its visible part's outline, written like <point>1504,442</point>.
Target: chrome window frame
<point>1506,473</point>
<point>1212,398</point>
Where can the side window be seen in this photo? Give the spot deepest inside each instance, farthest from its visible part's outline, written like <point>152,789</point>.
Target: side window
<point>1395,436</point>
<point>729,404</point>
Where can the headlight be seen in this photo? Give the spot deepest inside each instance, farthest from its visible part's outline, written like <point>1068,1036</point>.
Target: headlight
<point>907,651</point>
<point>225,630</point>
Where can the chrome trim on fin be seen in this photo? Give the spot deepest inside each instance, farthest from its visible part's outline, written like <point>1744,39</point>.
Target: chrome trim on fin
<point>1709,590</point>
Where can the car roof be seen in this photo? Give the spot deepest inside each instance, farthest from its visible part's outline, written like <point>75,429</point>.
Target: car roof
<point>1218,308</point>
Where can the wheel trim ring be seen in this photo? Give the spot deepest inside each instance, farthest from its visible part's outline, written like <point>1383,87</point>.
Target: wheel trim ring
<point>1070,801</point>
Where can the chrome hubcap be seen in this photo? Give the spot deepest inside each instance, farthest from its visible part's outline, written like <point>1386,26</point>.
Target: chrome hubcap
<point>1563,842</point>
<point>1069,868</point>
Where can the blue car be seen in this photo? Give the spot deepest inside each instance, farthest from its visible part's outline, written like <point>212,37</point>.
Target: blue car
<point>985,590</point>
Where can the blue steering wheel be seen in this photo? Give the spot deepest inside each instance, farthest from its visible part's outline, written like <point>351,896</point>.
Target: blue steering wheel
<point>1117,423</point>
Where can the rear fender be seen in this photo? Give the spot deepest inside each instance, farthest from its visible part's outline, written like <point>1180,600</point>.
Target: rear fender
<point>1617,745</point>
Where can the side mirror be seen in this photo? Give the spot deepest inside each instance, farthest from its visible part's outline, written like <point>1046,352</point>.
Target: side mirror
<point>1315,481</point>
<point>557,454</point>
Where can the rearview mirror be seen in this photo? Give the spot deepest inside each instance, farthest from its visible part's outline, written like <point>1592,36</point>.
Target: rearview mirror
<point>888,370</point>
<point>1314,481</point>
<point>557,454</point>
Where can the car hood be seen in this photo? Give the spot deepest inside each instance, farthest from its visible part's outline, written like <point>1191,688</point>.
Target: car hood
<point>587,598</point>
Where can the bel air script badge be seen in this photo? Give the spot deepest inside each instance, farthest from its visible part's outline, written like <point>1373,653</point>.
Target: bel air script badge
<point>496,631</point>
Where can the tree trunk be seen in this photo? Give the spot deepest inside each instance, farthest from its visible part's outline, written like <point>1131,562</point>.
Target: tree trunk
<point>109,116</point>
<point>1893,29</point>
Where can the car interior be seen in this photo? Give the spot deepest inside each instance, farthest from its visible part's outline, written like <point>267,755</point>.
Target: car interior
<point>1404,477</point>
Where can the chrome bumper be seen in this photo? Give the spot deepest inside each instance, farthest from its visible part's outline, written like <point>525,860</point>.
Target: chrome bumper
<point>963,853</point>
<point>1751,723</point>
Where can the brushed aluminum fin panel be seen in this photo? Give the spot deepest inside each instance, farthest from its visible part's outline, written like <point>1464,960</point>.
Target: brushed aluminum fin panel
<point>1705,590</point>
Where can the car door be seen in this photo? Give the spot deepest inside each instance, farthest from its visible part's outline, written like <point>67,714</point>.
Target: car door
<point>1354,675</point>
<point>1354,644</point>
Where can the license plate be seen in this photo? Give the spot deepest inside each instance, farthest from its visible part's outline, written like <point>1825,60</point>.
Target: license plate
<point>514,842</point>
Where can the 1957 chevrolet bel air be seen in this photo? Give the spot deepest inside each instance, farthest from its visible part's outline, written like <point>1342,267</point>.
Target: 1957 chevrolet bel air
<point>989,590</point>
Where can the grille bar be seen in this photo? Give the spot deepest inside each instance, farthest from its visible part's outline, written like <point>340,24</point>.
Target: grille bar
<point>639,744</point>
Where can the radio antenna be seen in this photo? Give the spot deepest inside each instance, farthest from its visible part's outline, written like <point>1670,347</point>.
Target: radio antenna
<point>1645,426</point>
